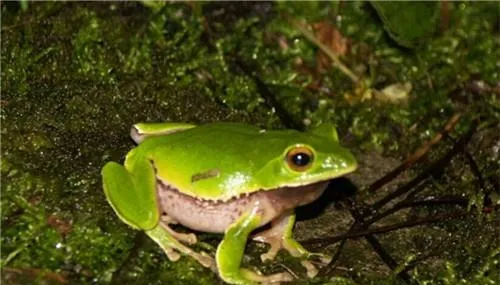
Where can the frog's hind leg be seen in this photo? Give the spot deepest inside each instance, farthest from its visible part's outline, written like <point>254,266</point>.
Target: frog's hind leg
<point>131,191</point>
<point>172,247</point>
<point>280,236</point>
<point>186,238</point>
<point>143,130</point>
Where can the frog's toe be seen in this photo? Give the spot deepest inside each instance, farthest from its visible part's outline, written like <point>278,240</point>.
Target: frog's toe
<point>275,278</point>
<point>207,261</point>
<point>272,237</point>
<point>275,246</point>
<point>311,269</point>
<point>173,248</point>
<point>185,238</point>
<point>324,259</point>
<point>172,254</point>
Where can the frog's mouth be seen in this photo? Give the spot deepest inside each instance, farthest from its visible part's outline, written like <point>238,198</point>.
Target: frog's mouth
<point>216,215</point>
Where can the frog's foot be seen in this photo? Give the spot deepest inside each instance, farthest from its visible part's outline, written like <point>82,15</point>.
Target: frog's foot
<point>230,253</point>
<point>280,236</point>
<point>185,238</point>
<point>276,278</point>
<point>173,248</point>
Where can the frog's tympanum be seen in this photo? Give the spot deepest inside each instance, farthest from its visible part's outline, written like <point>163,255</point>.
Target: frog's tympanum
<point>224,178</point>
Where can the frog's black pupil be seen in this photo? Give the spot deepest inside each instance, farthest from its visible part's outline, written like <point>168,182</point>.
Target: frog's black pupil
<point>301,159</point>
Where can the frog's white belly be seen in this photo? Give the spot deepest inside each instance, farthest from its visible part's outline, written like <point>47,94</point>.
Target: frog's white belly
<point>217,216</point>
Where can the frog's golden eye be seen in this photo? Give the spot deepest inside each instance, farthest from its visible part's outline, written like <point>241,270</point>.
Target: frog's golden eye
<point>300,158</point>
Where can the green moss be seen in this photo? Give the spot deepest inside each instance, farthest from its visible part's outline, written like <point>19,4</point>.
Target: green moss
<point>75,76</point>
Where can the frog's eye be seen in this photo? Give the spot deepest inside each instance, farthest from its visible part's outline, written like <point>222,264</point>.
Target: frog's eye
<point>300,158</point>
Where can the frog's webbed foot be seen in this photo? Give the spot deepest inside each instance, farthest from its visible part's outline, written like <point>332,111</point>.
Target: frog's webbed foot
<point>280,236</point>
<point>185,238</point>
<point>274,279</point>
<point>173,248</point>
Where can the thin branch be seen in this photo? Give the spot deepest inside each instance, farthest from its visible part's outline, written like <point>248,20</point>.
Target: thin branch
<point>384,255</point>
<point>285,117</point>
<point>445,200</point>
<point>327,270</point>
<point>319,242</point>
<point>36,274</point>
<point>424,176</point>
<point>417,155</point>
<point>377,246</point>
<point>341,66</point>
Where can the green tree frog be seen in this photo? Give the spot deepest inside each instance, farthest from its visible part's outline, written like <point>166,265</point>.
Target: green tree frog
<point>224,178</point>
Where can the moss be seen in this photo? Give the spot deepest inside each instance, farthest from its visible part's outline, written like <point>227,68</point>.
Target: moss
<point>75,76</point>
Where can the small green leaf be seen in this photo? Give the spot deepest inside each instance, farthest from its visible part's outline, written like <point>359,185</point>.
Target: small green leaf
<point>408,22</point>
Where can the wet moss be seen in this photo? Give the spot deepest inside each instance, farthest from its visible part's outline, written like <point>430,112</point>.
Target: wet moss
<point>75,76</point>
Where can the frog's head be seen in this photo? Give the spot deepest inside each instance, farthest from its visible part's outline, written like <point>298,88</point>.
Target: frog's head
<point>306,158</point>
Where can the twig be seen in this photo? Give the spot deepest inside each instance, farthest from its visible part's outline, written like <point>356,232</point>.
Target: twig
<point>377,246</point>
<point>436,166</point>
<point>386,257</point>
<point>285,117</point>
<point>417,155</point>
<point>33,19</point>
<point>454,200</point>
<point>341,66</point>
<point>384,229</point>
<point>421,179</point>
<point>326,271</point>
<point>36,273</point>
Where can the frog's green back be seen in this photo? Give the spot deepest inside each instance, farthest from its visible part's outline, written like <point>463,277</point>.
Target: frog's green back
<point>223,160</point>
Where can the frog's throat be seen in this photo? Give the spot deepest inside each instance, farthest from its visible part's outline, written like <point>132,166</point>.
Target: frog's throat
<point>217,215</point>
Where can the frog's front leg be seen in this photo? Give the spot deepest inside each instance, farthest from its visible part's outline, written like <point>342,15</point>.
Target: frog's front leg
<point>231,250</point>
<point>280,236</point>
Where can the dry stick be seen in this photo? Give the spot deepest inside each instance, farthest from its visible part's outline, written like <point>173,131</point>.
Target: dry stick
<point>269,98</point>
<point>454,200</point>
<point>379,249</point>
<point>417,155</point>
<point>331,265</point>
<point>423,176</point>
<point>475,169</point>
<point>473,166</point>
<point>36,273</point>
<point>369,233</point>
<point>341,66</point>
<point>388,228</point>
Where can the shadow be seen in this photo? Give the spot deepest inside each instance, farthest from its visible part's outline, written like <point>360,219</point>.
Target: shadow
<point>337,190</point>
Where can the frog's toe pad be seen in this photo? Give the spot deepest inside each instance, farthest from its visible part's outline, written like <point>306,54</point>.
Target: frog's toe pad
<point>207,261</point>
<point>172,254</point>
<point>272,252</point>
<point>312,271</point>
<point>324,259</point>
<point>187,238</point>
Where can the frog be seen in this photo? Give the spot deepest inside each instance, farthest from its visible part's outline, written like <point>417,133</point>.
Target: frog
<point>233,179</point>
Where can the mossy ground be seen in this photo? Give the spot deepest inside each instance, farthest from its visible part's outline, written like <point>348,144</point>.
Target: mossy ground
<point>76,76</point>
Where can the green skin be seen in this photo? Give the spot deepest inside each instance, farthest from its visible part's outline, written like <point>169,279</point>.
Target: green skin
<point>224,178</point>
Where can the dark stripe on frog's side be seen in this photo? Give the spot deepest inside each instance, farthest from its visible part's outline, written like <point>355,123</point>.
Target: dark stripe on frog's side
<point>205,175</point>
<point>216,216</point>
